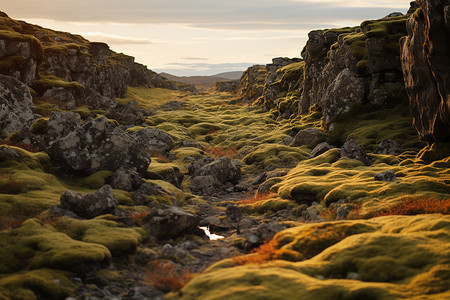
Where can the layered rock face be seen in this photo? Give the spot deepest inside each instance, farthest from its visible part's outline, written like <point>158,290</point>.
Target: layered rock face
<point>15,105</point>
<point>426,69</point>
<point>276,85</point>
<point>20,56</point>
<point>353,65</point>
<point>30,52</point>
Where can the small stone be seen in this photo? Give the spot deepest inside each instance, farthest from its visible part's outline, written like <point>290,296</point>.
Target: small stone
<point>353,276</point>
<point>386,176</point>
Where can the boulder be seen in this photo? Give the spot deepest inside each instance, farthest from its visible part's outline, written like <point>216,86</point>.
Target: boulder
<point>140,196</point>
<point>60,125</point>
<point>265,232</point>
<point>170,222</point>
<point>90,205</point>
<point>97,145</point>
<point>231,86</point>
<point>205,185</point>
<point>320,149</point>
<point>154,141</point>
<point>385,176</point>
<point>234,213</point>
<point>310,136</point>
<point>15,105</point>
<point>390,147</point>
<point>125,179</point>
<point>352,150</point>
<point>425,57</point>
<point>223,169</point>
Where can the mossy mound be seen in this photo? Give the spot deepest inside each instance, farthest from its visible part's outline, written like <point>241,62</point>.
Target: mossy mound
<point>329,178</point>
<point>108,233</point>
<point>36,284</point>
<point>150,98</point>
<point>383,258</point>
<point>37,245</point>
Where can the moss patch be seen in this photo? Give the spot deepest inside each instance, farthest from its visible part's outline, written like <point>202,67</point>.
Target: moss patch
<point>394,258</point>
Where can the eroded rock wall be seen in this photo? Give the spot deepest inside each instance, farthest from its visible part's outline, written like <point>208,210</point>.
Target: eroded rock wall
<point>426,69</point>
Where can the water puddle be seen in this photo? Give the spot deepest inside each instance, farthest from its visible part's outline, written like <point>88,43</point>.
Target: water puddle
<point>212,236</point>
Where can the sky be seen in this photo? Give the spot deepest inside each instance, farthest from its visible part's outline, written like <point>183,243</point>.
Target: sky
<point>200,37</point>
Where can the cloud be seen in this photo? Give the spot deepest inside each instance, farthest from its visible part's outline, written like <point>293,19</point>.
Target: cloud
<point>215,14</point>
<point>114,39</point>
<point>193,58</point>
<point>192,69</point>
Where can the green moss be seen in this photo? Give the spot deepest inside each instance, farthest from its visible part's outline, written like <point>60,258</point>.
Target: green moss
<point>36,245</point>
<point>150,98</point>
<point>96,180</point>
<point>50,81</point>
<point>394,257</point>
<point>40,126</point>
<point>108,233</point>
<point>182,153</point>
<point>36,284</point>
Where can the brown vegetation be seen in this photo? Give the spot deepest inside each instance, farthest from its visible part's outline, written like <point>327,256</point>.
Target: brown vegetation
<point>166,277</point>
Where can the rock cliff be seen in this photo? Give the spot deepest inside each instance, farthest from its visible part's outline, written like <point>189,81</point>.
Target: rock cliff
<point>426,69</point>
<point>44,59</point>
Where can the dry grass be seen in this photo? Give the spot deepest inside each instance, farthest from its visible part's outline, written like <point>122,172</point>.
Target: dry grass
<point>9,185</point>
<point>167,277</point>
<point>27,147</point>
<point>219,152</point>
<point>256,198</point>
<point>427,205</point>
<point>266,252</point>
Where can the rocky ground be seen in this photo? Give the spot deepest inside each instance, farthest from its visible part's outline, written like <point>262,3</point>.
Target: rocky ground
<point>311,176</point>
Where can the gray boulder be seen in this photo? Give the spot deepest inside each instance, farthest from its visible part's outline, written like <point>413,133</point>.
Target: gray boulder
<point>171,222</point>
<point>223,169</point>
<point>352,150</point>
<point>91,205</point>
<point>125,179</point>
<point>154,140</point>
<point>206,185</point>
<point>386,176</point>
<point>99,145</point>
<point>258,235</point>
<point>320,149</point>
<point>141,195</point>
<point>309,136</point>
<point>390,147</point>
<point>15,105</point>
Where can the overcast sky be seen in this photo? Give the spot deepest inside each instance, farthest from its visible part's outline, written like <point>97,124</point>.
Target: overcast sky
<point>200,37</point>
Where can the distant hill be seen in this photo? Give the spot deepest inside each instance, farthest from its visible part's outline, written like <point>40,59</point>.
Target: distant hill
<point>230,75</point>
<point>204,82</point>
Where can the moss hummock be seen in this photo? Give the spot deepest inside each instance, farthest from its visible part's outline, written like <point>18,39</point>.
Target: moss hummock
<point>383,258</point>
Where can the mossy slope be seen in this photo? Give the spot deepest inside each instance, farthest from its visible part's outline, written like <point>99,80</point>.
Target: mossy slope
<point>392,258</point>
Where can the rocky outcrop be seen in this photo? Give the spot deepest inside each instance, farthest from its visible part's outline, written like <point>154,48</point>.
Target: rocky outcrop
<point>99,144</point>
<point>171,222</point>
<point>426,69</point>
<point>154,141</point>
<point>353,65</point>
<point>252,83</point>
<point>63,59</point>
<point>91,205</point>
<point>20,56</point>
<point>210,176</point>
<point>276,85</point>
<point>231,86</point>
<point>15,105</point>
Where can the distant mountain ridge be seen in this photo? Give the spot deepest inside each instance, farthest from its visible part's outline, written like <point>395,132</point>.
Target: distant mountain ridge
<point>204,82</point>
